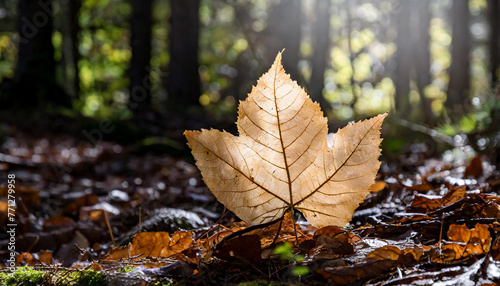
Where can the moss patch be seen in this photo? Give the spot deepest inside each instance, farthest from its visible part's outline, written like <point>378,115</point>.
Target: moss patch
<point>23,276</point>
<point>31,277</point>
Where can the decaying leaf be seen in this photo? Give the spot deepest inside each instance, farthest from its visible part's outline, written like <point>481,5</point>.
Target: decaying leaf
<point>466,242</point>
<point>153,244</point>
<point>424,203</point>
<point>281,160</point>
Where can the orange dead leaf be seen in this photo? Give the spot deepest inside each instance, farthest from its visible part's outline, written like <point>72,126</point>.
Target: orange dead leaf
<point>459,233</point>
<point>330,230</point>
<point>25,258</point>
<point>361,271</point>
<point>45,257</point>
<point>377,187</point>
<point>281,159</point>
<point>403,256</point>
<point>474,168</point>
<point>57,222</point>
<point>425,203</point>
<point>453,195</point>
<point>153,244</point>
<point>95,266</point>
<point>386,252</point>
<point>466,242</point>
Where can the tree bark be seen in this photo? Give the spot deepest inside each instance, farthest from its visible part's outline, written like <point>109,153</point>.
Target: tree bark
<point>494,23</point>
<point>183,83</point>
<point>284,32</point>
<point>459,85</point>
<point>34,83</point>
<point>403,59</point>
<point>139,73</point>
<point>321,34</point>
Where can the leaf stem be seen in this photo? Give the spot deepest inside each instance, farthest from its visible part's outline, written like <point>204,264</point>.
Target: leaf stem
<point>292,213</point>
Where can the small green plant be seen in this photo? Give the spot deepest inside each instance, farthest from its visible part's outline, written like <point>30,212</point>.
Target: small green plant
<point>285,252</point>
<point>163,282</point>
<point>126,269</point>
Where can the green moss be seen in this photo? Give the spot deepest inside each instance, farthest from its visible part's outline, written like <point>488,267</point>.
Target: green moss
<point>31,277</point>
<point>23,276</point>
<point>91,278</point>
<point>79,277</point>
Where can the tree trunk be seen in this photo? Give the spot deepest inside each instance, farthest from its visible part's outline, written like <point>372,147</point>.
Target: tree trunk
<point>458,88</point>
<point>139,73</point>
<point>403,59</point>
<point>34,83</point>
<point>70,30</point>
<point>494,19</point>
<point>183,83</point>
<point>422,63</point>
<point>321,34</point>
<point>284,32</point>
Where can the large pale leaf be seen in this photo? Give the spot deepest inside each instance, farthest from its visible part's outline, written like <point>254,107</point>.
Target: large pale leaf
<point>281,159</point>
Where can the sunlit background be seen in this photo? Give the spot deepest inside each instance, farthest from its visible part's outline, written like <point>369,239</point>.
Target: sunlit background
<point>361,57</point>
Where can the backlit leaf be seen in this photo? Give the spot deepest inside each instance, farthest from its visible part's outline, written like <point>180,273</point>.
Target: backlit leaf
<point>281,160</point>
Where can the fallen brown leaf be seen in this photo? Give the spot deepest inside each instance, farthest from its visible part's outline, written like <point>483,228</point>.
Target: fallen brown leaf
<point>153,244</point>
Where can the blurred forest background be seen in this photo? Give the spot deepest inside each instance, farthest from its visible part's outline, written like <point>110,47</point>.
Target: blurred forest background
<point>435,65</point>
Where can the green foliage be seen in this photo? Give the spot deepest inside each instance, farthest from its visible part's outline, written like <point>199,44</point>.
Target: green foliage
<point>105,51</point>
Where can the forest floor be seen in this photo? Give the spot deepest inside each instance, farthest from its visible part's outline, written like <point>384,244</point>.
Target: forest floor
<point>140,217</point>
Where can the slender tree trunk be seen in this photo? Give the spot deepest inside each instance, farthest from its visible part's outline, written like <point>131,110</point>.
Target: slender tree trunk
<point>75,7</point>
<point>183,83</point>
<point>34,82</point>
<point>140,85</point>
<point>403,59</point>
<point>494,19</point>
<point>352,56</point>
<point>70,30</point>
<point>284,32</point>
<point>422,63</point>
<point>458,88</point>
<point>321,34</point>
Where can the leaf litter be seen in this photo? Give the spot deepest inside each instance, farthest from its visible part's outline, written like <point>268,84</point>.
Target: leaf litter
<point>435,223</point>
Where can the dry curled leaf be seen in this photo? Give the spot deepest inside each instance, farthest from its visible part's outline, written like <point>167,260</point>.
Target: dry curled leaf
<point>281,159</point>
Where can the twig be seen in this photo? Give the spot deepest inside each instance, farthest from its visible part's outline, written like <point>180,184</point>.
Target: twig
<point>216,224</point>
<point>441,234</point>
<point>140,219</point>
<point>109,228</point>
<point>279,230</point>
<point>248,229</point>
